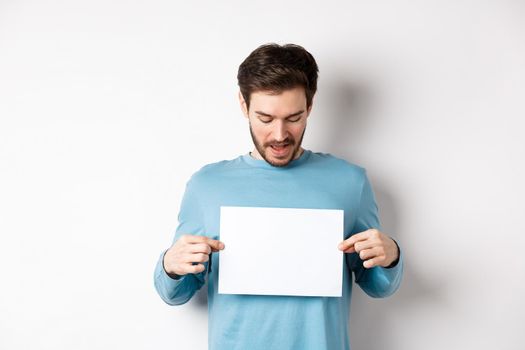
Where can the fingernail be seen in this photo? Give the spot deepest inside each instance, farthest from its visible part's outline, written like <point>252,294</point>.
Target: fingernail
<point>221,245</point>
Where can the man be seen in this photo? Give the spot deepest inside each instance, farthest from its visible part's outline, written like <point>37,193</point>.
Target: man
<point>277,86</point>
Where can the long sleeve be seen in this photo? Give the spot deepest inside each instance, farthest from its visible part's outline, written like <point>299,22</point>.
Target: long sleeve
<point>191,221</point>
<point>377,282</point>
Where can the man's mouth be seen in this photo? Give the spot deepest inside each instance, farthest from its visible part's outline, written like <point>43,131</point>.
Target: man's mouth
<point>280,150</point>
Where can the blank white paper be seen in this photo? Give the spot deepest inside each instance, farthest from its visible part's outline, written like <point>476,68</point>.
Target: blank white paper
<point>281,251</point>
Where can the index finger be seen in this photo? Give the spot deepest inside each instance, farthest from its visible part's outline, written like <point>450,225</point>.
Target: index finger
<point>214,244</point>
<point>194,239</point>
<point>349,243</point>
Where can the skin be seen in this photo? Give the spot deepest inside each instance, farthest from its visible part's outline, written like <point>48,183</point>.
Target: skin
<point>277,125</point>
<point>374,248</point>
<point>189,249</point>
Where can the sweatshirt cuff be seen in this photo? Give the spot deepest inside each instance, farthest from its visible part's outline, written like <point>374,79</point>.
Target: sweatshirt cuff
<point>394,271</point>
<point>395,262</point>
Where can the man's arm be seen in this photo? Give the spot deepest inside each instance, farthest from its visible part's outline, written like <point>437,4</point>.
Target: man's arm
<point>374,257</point>
<point>181,269</point>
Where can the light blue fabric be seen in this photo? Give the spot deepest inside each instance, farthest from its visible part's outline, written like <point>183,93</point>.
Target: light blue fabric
<point>314,180</point>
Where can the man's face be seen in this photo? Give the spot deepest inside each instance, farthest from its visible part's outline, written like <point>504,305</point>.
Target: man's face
<point>277,124</point>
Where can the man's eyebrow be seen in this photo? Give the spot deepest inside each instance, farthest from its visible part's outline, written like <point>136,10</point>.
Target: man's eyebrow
<point>288,116</point>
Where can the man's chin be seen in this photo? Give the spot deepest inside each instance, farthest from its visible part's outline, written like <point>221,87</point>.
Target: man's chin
<point>278,162</point>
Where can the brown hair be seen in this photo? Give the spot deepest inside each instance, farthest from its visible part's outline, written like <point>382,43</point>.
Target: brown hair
<point>272,67</point>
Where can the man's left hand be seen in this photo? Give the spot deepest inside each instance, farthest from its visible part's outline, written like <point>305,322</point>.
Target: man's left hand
<point>374,248</point>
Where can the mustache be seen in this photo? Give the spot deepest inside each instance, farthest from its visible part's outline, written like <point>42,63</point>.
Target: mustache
<point>286,141</point>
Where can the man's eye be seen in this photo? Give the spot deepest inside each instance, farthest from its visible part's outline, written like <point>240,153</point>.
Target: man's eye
<point>294,120</point>
<point>265,120</point>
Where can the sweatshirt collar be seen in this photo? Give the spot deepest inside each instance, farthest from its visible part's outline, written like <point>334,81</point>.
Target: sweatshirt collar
<point>261,163</point>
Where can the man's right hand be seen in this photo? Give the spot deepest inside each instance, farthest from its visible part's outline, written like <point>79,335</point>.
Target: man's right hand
<point>189,249</point>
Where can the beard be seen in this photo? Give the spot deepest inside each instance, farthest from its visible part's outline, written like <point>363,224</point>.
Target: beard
<point>261,148</point>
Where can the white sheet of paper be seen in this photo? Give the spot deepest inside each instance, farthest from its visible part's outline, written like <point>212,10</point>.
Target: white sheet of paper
<point>281,251</point>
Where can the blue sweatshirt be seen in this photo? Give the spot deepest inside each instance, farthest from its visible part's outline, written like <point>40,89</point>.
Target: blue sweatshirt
<point>314,180</point>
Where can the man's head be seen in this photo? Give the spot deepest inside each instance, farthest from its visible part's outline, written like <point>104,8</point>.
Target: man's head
<point>277,85</point>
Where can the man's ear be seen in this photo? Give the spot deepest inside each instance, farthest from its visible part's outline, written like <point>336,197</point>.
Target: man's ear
<point>244,107</point>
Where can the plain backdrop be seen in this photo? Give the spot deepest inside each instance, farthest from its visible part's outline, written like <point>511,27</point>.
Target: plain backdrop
<point>107,108</point>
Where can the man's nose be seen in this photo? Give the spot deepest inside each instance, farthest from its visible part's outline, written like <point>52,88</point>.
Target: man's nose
<point>279,132</point>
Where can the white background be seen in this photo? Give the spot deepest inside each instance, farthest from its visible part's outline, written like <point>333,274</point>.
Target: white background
<point>107,107</point>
